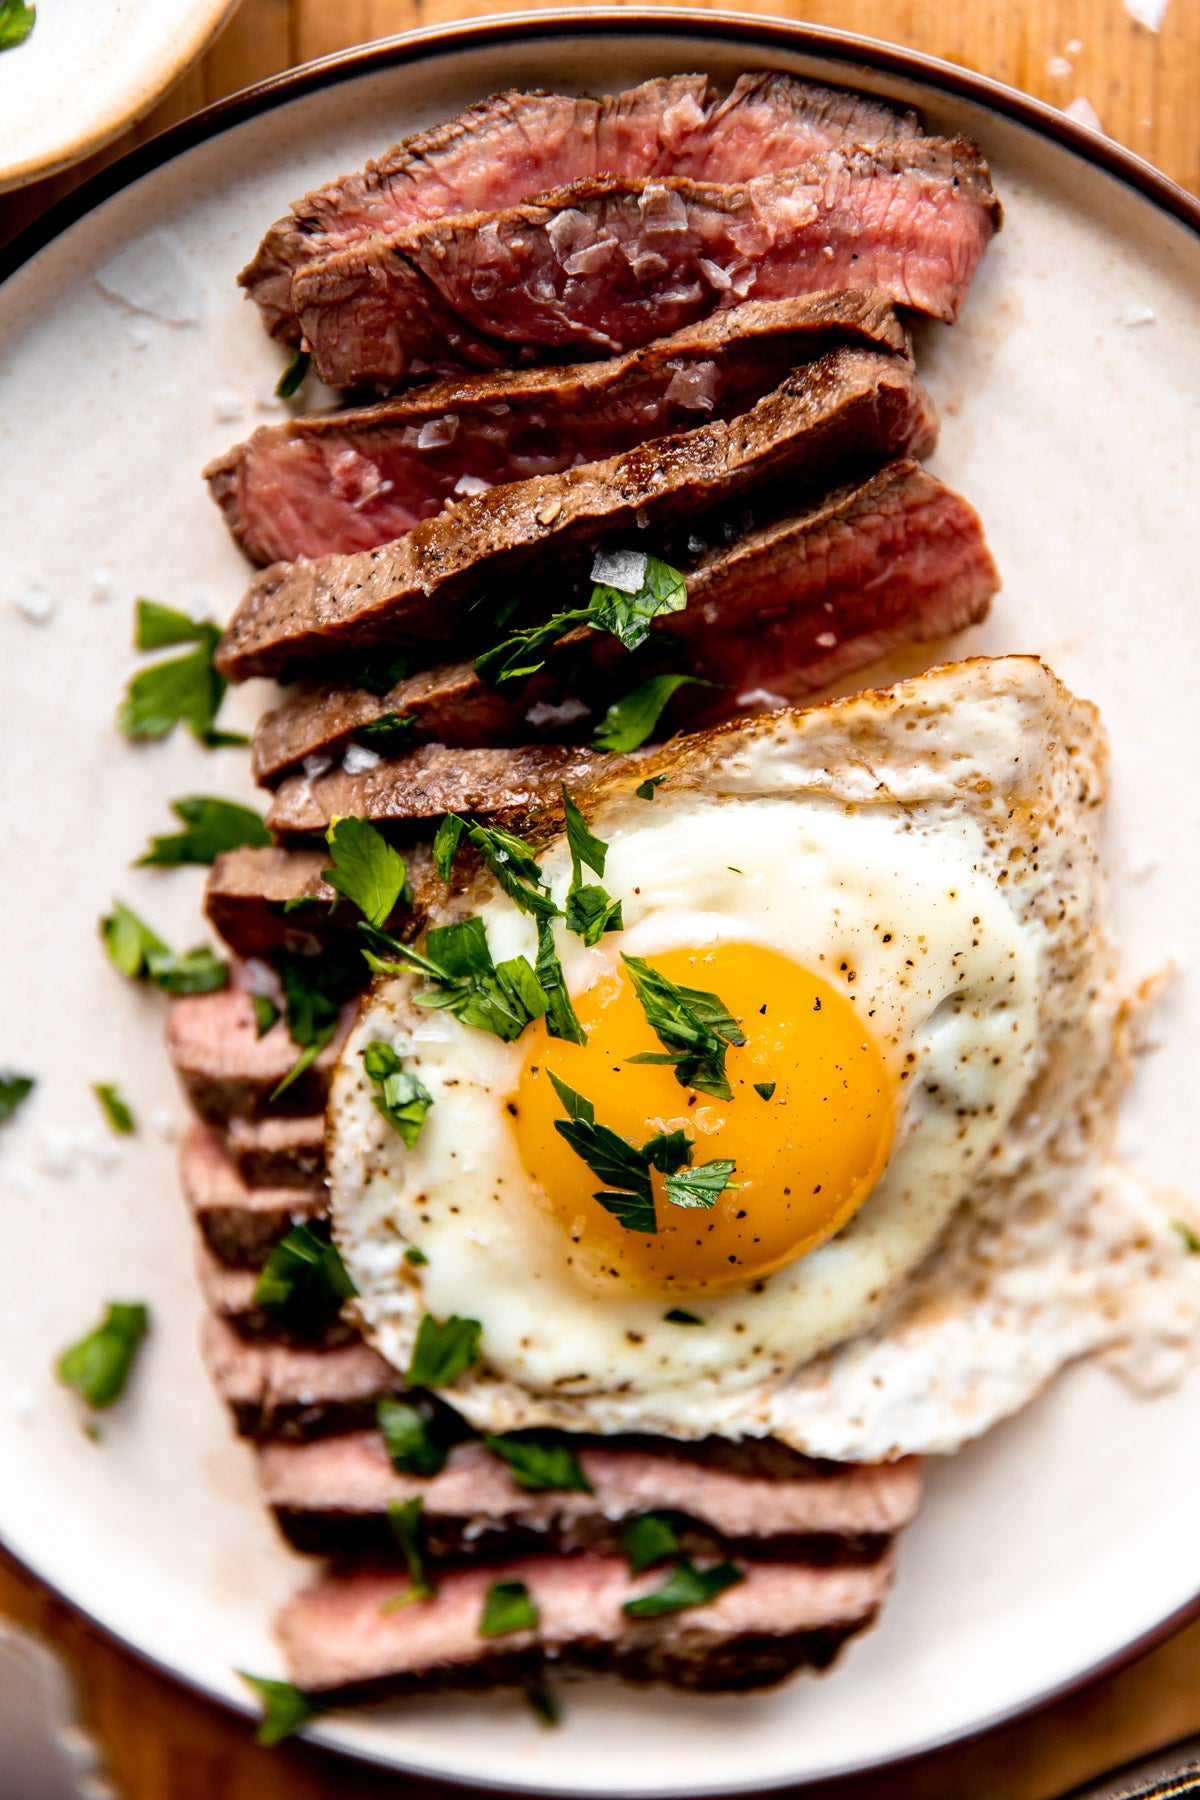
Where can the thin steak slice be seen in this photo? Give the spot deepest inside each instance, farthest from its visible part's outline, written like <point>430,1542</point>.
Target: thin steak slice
<point>848,408</point>
<point>331,1497</point>
<point>608,264</point>
<point>515,145</point>
<point>332,483</point>
<point>278,1153</point>
<point>249,891</point>
<point>773,617</point>
<point>340,1637</point>
<point>227,1071</point>
<point>282,1390</point>
<point>240,1224</point>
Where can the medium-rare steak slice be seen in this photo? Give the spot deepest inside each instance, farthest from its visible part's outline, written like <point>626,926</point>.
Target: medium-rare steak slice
<point>340,1637</point>
<point>240,1224</point>
<point>515,145</point>
<point>846,410</point>
<point>771,618</point>
<point>278,1153</point>
<point>332,1496</point>
<point>271,902</point>
<point>287,1391</point>
<point>332,483</point>
<point>608,264</point>
<point>227,1071</point>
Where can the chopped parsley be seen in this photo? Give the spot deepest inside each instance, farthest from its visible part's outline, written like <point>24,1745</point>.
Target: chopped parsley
<point>141,954</point>
<point>501,998</point>
<point>16,22</point>
<point>98,1366</point>
<point>293,376</point>
<point>542,1703</point>
<point>624,611</point>
<point>404,1517</point>
<point>315,988</point>
<point>518,873</point>
<point>183,690</point>
<point>645,790</point>
<point>590,910</point>
<point>265,1013</point>
<point>647,1540</point>
<point>304,1281</point>
<point>444,1350</point>
<point>379,677</point>
<point>210,828</point>
<point>677,1316</point>
<point>1191,1242</point>
<point>285,1708</point>
<point>391,734</point>
<point>413,1443</point>
<point>366,869</point>
<point>701,1186</point>
<point>693,1025</point>
<point>115,1110</point>
<point>685,1586</point>
<point>508,1607</point>
<point>415,1258</point>
<point>14,1089</point>
<point>399,1096</point>
<point>562,1021</point>
<point>764,1089</point>
<point>630,720</point>
<point>541,1463</point>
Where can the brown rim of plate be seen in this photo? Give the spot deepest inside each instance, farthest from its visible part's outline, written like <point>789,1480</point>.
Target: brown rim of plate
<point>757,33</point>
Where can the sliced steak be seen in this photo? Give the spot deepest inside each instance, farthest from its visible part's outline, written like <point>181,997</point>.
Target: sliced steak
<point>332,1497</point>
<point>338,1638</point>
<point>279,1153</point>
<point>282,1390</point>
<point>515,145</point>
<point>846,410</point>
<point>271,902</point>
<point>607,264</point>
<point>227,1071</point>
<point>333,483</point>
<point>771,618</point>
<point>240,1224</point>
<point>231,1297</point>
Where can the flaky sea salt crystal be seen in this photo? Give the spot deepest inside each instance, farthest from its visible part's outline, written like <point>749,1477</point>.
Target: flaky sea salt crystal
<point>316,764</point>
<point>1059,66</point>
<point>434,433</point>
<point>1149,13</point>
<point>152,275</point>
<point>1133,316</point>
<point>228,407</point>
<point>471,484</point>
<point>102,585</point>
<point>359,758</point>
<point>1082,110</point>
<point>624,570</point>
<point>34,602</point>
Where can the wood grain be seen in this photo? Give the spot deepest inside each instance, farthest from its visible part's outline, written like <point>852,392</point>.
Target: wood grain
<point>163,1744</point>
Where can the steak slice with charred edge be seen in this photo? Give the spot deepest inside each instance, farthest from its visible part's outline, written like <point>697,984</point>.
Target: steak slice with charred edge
<point>779,613</point>
<point>227,1071</point>
<point>515,145</point>
<point>274,1152</point>
<point>607,263</point>
<point>846,410</point>
<point>240,1224</point>
<point>249,890</point>
<point>282,1390</point>
<point>333,483</point>
<point>338,1639</point>
<point>331,1498</point>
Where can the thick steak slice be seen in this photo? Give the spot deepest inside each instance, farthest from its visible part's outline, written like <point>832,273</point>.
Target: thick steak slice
<point>773,617</point>
<point>332,1497</point>
<point>230,1294</point>
<point>332,483</point>
<point>278,1153</point>
<point>338,1638</point>
<point>249,890</point>
<point>516,145</point>
<point>847,409</point>
<point>608,264</point>
<point>240,1224</point>
<point>227,1071</point>
<point>280,1390</point>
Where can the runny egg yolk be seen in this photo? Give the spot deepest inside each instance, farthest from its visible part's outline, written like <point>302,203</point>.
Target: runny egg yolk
<point>804,1160</point>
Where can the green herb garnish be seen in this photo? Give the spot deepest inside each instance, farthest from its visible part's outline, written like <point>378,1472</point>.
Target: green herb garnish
<point>626,614</point>
<point>693,1025</point>
<point>508,1607</point>
<point>542,1703</point>
<point>365,869</point>
<point>501,998</point>
<point>677,1316</point>
<point>304,1281</point>
<point>16,22</point>
<point>701,1186</point>
<point>444,1350</point>
<point>293,376</point>
<point>379,677</point>
<point>590,911</point>
<point>98,1365</point>
<point>416,1259</point>
<point>184,690</point>
<point>509,859</point>
<point>399,1096</point>
<point>391,734</point>
<point>562,1021</point>
<point>540,1463</point>
<point>412,1444</point>
<point>685,1586</point>
<point>315,988</point>
<point>141,954</point>
<point>1191,1242</point>
<point>630,720</point>
<point>265,1013</point>
<point>764,1089</point>
<point>625,1170</point>
<point>404,1517</point>
<point>115,1110</point>
<point>211,827</point>
<point>285,1709</point>
<point>14,1089</point>
<point>647,1540</point>
<point>645,789</point>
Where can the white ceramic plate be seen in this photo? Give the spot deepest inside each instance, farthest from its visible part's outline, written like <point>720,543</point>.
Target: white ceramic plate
<point>88,71</point>
<point>1069,398</point>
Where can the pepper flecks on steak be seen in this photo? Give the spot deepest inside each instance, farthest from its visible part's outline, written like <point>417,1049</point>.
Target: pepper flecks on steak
<point>515,145</point>
<point>338,1637</point>
<point>608,264</point>
<point>774,616</point>
<point>332,483</point>
<point>848,408</point>
<point>241,1224</point>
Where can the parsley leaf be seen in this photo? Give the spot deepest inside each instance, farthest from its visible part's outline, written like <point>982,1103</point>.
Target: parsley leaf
<point>413,1445</point>
<point>648,1539</point>
<point>523,652</point>
<point>1191,1242</point>
<point>500,998</point>
<point>508,1607</point>
<point>265,1013</point>
<point>627,614</point>
<point>315,988</point>
<point>399,1096</point>
<point>693,1025</point>
<point>508,858</point>
<point>590,910</point>
<point>139,953</point>
<point>685,1586</point>
<point>404,1517</point>
<point>378,677</point>
<point>764,1089</point>
<point>677,1316</point>
<point>630,720</point>
<point>540,1463</point>
<point>415,1258</point>
<point>645,790</point>
<point>98,1365</point>
<point>304,1281</point>
<point>391,734</point>
<point>13,1090</point>
<point>16,22</point>
<point>365,868</point>
<point>542,1703</point>
<point>285,1709</point>
<point>562,1021</point>
<point>212,827</point>
<point>702,1186</point>
<point>610,1158</point>
<point>182,690</point>
<point>587,850</point>
<point>669,1151</point>
<point>293,376</point>
<point>115,1109</point>
<point>444,1350</point>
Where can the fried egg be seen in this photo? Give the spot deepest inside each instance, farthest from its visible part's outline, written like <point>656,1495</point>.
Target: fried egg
<point>897,901</point>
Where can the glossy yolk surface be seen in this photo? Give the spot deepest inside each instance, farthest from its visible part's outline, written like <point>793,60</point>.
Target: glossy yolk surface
<point>805,1159</point>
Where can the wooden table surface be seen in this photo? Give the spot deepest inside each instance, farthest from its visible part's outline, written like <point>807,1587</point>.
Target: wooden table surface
<point>163,1744</point>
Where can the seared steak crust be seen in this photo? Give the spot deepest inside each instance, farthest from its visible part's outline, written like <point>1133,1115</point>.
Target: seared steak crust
<point>240,1224</point>
<point>228,1072</point>
<point>289,1391</point>
<point>278,1152</point>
